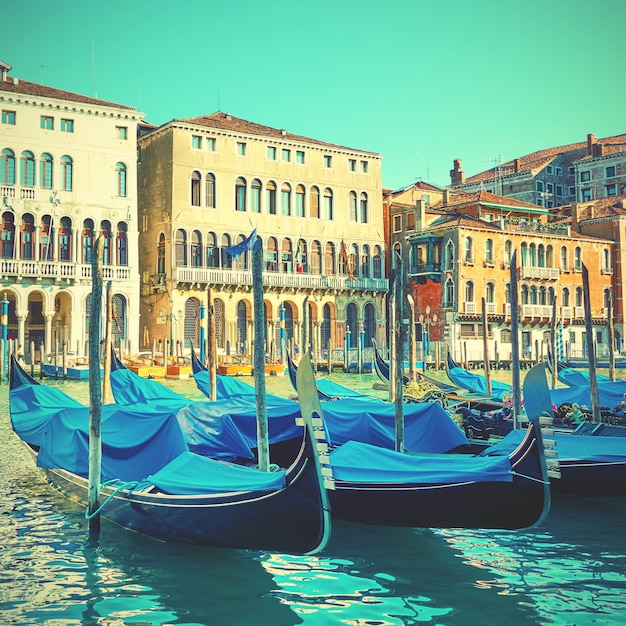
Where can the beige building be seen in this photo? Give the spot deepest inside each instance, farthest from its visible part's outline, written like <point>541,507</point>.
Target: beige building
<point>205,183</point>
<point>67,174</point>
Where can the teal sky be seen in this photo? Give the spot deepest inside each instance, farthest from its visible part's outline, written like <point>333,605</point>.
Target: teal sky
<point>421,83</point>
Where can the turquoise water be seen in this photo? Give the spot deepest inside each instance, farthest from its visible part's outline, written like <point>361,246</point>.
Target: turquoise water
<point>569,571</point>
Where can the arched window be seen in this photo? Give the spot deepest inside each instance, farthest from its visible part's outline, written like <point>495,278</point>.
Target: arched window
<point>118,314</point>
<point>220,323</point>
<point>533,295</point>
<point>352,206</point>
<point>242,327</point>
<point>27,251</point>
<point>352,324</point>
<point>161,254</point>
<point>353,257</point>
<point>606,260</point>
<point>301,257</point>
<point>225,258</point>
<point>524,294</point>
<point>242,262</point>
<point>449,294</point>
<point>65,239</point>
<point>209,191</point>
<point>564,259</point>
<point>489,260</point>
<point>325,327</point>
<point>270,190</point>
<point>532,258</point>
<point>240,194</point>
<point>364,206</point>
<point>377,262</point>
<point>67,173</point>
<point>212,257</point>
<point>316,257</point>
<point>45,171</point>
<point>8,235</point>
<point>542,296</point>
<point>271,255</point>
<point>369,324</point>
<point>105,231</point>
<point>565,297</point>
<point>121,180</point>
<point>450,255</point>
<point>7,167</point>
<point>549,256</point>
<point>121,244</point>
<point>196,249</point>
<point>285,199</point>
<point>469,250</point>
<point>578,259</point>
<point>314,203</point>
<point>196,182</point>
<point>524,254</point>
<point>300,201</point>
<point>541,255</point>
<point>46,241</point>
<point>256,189</point>
<point>191,322</point>
<point>579,297</point>
<point>328,204</point>
<point>329,259</point>
<point>86,240</point>
<point>180,248</point>
<point>27,169</point>
<point>286,256</point>
<point>469,291</point>
<point>365,261</point>
<point>490,291</point>
<point>508,252</point>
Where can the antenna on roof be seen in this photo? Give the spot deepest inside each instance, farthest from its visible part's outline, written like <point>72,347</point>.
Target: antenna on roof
<point>93,70</point>
<point>41,69</point>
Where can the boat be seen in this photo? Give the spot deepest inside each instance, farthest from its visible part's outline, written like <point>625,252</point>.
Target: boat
<point>153,483</point>
<point>75,369</point>
<point>376,485</point>
<point>475,383</point>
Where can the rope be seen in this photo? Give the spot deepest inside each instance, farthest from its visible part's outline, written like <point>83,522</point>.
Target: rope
<point>123,486</point>
<point>537,480</point>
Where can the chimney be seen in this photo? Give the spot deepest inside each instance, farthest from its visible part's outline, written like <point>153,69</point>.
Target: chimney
<point>457,175</point>
<point>591,140</point>
<point>446,197</point>
<point>598,149</point>
<point>516,165</point>
<point>5,68</point>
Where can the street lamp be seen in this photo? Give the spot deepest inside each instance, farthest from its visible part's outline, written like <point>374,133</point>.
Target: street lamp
<point>427,320</point>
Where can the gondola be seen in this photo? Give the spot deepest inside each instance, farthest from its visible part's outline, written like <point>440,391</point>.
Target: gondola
<point>475,383</point>
<point>422,490</point>
<point>154,485</point>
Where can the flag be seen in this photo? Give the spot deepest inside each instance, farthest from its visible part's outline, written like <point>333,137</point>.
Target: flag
<point>243,246</point>
<point>343,252</point>
<point>299,265</point>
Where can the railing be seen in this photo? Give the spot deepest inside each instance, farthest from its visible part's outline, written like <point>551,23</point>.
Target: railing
<point>536,310</point>
<point>549,273</point>
<point>277,279</point>
<point>58,269</point>
<point>579,311</point>
<point>469,307</point>
<point>535,227</point>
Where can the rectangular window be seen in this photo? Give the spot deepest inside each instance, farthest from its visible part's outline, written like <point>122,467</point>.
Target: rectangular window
<point>410,221</point>
<point>196,142</point>
<point>300,157</point>
<point>285,155</point>
<point>549,187</point>
<point>352,165</point>
<point>558,171</point>
<point>122,132</point>
<point>47,122</point>
<point>328,160</point>
<point>585,194</point>
<point>364,167</point>
<point>67,126</point>
<point>8,117</point>
<point>539,185</point>
<point>585,176</point>
<point>241,148</point>
<point>610,171</point>
<point>611,190</point>
<point>549,169</point>
<point>271,153</point>
<point>211,144</point>
<point>571,191</point>
<point>397,223</point>
<point>559,190</point>
<point>571,170</point>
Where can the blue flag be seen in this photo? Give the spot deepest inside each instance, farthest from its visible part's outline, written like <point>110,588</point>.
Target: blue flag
<point>243,246</point>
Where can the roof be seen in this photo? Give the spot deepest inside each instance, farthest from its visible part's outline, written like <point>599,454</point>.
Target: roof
<point>227,122</point>
<point>458,199</point>
<point>24,87</point>
<point>538,160</point>
<point>603,207</point>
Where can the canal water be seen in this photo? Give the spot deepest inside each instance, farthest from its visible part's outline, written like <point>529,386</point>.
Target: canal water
<point>571,571</point>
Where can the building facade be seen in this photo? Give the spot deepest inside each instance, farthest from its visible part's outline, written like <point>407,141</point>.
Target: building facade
<point>206,183</point>
<point>577,172</point>
<point>67,175</point>
<point>461,254</point>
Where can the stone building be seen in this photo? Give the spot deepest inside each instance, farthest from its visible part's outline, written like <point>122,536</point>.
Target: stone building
<point>206,183</point>
<point>461,252</point>
<point>67,175</point>
<point>577,172</point>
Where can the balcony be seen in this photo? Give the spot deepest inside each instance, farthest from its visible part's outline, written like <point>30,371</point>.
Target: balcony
<point>58,270</point>
<point>542,273</point>
<point>191,275</point>
<point>536,310</point>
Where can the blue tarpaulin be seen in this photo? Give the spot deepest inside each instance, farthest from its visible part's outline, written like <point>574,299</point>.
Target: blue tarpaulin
<point>358,462</point>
